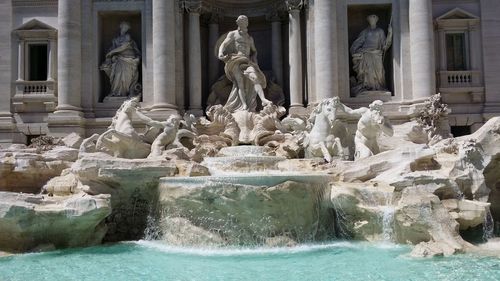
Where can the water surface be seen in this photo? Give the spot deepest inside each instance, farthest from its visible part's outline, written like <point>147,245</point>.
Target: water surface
<point>146,260</point>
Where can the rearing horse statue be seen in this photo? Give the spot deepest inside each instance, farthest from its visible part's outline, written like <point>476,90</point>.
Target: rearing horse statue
<point>321,140</point>
<point>121,139</point>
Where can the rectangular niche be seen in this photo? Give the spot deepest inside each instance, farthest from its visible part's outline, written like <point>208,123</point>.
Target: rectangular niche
<point>357,22</point>
<point>109,28</point>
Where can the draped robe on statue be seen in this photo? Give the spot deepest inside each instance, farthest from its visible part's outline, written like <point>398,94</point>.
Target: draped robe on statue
<point>253,75</point>
<point>121,66</point>
<point>367,58</point>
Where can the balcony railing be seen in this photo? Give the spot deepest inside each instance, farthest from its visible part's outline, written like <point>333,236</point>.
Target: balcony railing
<point>35,87</point>
<point>460,79</point>
<point>30,94</point>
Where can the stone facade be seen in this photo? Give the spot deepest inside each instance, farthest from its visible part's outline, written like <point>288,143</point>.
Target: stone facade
<point>442,46</point>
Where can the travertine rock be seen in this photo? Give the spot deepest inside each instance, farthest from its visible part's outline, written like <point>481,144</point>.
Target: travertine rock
<point>72,140</point>
<point>421,217</point>
<point>61,153</point>
<point>28,172</point>
<point>468,213</point>
<point>132,184</point>
<point>29,221</point>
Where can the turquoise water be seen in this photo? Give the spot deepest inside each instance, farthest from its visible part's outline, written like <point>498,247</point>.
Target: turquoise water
<point>153,261</point>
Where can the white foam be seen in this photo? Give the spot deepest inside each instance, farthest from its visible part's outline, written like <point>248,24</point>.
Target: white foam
<point>157,245</point>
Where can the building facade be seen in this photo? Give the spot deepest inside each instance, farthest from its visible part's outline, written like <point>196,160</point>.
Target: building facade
<point>55,58</point>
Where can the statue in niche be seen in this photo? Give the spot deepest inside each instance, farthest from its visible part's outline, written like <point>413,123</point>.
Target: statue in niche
<point>368,53</point>
<point>237,50</point>
<point>121,65</point>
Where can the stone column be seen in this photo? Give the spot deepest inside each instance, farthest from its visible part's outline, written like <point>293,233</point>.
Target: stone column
<point>325,49</point>
<point>295,54</point>
<point>422,49</point>
<point>69,65</point>
<point>68,116</point>
<point>179,62</point>
<point>20,60</point>
<point>164,55</point>
<point>213,36</point>
<point>194,57</point>
<point>277,48</point>
<point>7,126</point>
<point>51,59</point>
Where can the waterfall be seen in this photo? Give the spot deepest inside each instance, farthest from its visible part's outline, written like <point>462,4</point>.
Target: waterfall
<point>488,226</point>
<point>387,223</point>
<point>341,227</point>
<point>152,231</point>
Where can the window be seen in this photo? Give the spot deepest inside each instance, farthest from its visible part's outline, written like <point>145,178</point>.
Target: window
<point>37,62</point>
<point>456,55</point>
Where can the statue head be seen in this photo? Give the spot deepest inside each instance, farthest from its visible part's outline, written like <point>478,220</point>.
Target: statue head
<point>242,22</point>
<point>124,27</point>
<point>173,121</point>
<point>376,105</point>
<point>372,20</point>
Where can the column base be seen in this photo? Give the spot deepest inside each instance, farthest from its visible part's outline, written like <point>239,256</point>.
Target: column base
<point>198,112</point>
<point>63,122</point>
<point>161,114</point>
<point>491,109</point>
<point>297,110</point>
<point>7,128</point>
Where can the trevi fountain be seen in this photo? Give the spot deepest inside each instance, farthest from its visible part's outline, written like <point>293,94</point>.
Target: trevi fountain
<point>250,192</point>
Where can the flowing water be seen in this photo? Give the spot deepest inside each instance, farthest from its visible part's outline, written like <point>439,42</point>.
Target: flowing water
<point>145,260</point>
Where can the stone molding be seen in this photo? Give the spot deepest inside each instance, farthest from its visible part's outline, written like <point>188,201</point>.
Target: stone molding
<point>33,3</point>
<point>292,5</point>
<point>193,6</point>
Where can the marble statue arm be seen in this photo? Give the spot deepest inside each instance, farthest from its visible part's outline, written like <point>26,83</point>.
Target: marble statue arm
<point>147,120</point>
<point>118,49</point>
<point>223,47</point>
<point>253,51</point>
<point>386,128</point>
<point>358,43</point>
<point>353,112</point>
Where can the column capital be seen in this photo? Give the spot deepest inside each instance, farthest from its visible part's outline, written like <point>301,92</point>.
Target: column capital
<point>193,6</point>
<point>294,5</point>
<point>215,16</point>
<point>275,14</point>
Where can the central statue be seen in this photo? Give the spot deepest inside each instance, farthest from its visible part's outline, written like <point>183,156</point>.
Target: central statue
<point>239,54</point>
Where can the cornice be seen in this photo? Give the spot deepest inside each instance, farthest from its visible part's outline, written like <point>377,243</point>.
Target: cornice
<point>33,3</point>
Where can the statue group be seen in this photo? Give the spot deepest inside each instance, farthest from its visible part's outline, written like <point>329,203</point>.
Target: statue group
<point>239,120</point>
